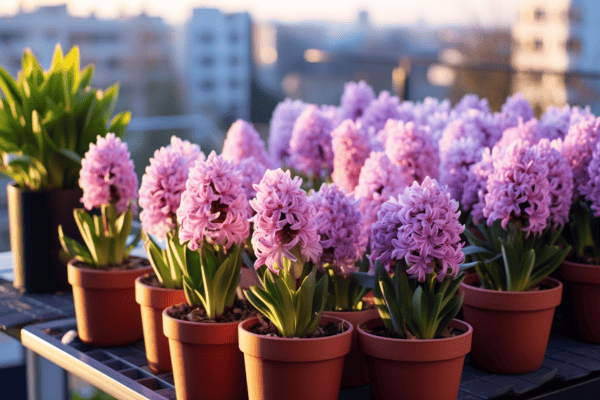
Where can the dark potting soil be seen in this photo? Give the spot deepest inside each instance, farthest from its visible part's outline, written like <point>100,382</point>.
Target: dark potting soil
<point>266,327</point>
<point>382,332</point>
<point>241,310</point>
<point>152,280</point>
<point>132,262</point>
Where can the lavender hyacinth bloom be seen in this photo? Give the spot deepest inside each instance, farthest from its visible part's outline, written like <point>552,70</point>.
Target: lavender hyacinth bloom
<point>422,228</point>
<point>555,122</point>
<point>244,141</point>
<point>281,127</point>
<point>410,146</point>
<point>591,189</point>
<point>471,102</point>
<point>350,150</point>
<point>339,225</point>
<point>379,179</point>
<point>107,174</point>
<point>379,111</point>
<point>518,189</point>
<point>578,147</point>
<point>528,132</point>
<point>355,100</point>
<point>284,223</point>
<point>455,164</point>
<point>213,205</point>
<point>163,183</point>
<point>514,108</point>
<point>310,146</point>
<point>477,125</point>
<point>560,177</point>
<point>475,189</point>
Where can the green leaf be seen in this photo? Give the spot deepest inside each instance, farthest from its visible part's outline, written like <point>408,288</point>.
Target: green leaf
<point>9,87</point>
<point>393,307</point>
<point>157,259</point>
<point>74,249</point>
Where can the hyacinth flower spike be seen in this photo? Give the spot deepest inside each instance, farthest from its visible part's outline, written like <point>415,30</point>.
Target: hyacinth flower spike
<point>160,197</point>
<point>417,239</point>
<point>108,181</point>
<point>213,225</point>
<point>285,239</point>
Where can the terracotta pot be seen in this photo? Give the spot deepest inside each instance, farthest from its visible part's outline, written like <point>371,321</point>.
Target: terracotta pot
<point>293,368</point>
<point>415,369</point>
<point>355,365</point>
<point>105,308</point>
<point>581,304</point>
<point>153,300</point>
<point>511,328</point>
<point>207,363</point>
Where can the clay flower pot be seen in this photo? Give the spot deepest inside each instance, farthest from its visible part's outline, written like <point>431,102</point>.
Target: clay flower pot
<point>415,369</point>
<point>105,308</point>
<point>153,300</point>
<point>581,304</point>
<point>511,329</point>
<point>207,362</point>
<point>355,365</point>
<point>293,368</point>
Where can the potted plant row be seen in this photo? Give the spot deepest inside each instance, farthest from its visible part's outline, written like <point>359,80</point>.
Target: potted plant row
<point>47,121</point>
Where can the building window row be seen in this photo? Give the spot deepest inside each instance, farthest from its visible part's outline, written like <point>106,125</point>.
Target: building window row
<point>209,85</point>
<point>572,45</point>
<point>209,61</point>
<point>539,14</point>
<point>208,37</point>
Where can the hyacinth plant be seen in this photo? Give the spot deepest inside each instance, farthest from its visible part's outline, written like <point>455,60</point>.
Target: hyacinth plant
<point>580,147</point>
<point>108,181</point>
<point>417,238</point>
<point>344,241</point>
<point>526,205</point>
<point>286,241</point>
<point>48,119</point>
<point>213,225</point>
<point>160,197</point>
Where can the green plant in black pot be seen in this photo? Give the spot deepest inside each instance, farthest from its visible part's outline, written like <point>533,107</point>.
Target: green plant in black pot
<point>47,121</point>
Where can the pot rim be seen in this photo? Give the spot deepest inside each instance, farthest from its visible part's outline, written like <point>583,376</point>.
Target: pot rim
<point>416,350</point>
<point>580,273</point>
<point>276,348</point>
<point>92,278</point>
<point>202,333</point>
<point>519,301</point>
<point>341,314</point>
<point>156,297</point>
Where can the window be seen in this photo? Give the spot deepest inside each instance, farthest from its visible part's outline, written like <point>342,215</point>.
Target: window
<point>206,37</point>
<point>207,85</point>
<point>573,45</point>
<point>234,61</point>
<point>538,45</point>
<point>207,61</point>
<point>539,14</point>
<point>113,63</point>
<point>234,37</point>
<point>573,14</point>
<point>8,37</point>
<point>50,34</point>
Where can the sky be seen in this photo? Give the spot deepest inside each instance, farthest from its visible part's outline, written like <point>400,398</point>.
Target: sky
<point>382,12</point>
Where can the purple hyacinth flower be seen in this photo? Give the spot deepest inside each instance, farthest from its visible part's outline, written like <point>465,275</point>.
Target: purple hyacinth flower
<point>284,223</point>
<point>107,174</point>
<point>378,112</point>
<point>410,146</point>
<point>355,100</point>
<point>560,177</point>
<point>578,147</point>
<point>455,164</point>
<point>518,189</point>
<point>591,189</point>
<point>243,141</point>
<point>528,132</point>
<point>339,225</point>
<point>214,205</point>
<point>379,180</point>
<point>421,227</point>
<point>310,147</point>
<point>163,184</point>
<point>471,102</point>
<point>351,148</point>
<point>281,127</point>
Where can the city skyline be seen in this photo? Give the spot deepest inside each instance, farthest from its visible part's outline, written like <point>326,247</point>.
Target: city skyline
<point>386,12</point>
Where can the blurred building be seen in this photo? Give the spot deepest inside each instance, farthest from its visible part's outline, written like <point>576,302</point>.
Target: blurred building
<point>556,49</point>
<point>134,51</point>
<point>218,67</point>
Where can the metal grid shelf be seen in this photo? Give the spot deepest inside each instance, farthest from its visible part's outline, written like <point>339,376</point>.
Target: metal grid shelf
<point>569,367</point>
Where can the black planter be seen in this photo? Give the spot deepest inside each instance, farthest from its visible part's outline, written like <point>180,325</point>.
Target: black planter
<point>39,263</point>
